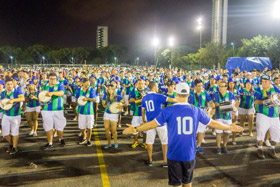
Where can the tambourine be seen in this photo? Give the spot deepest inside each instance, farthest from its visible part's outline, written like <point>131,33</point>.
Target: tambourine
<point>81,102</point>
<point>272,100</point>
<point>228,106</point>
<point>113,107</point>
<point>4,105</point>
<point>43,98</point>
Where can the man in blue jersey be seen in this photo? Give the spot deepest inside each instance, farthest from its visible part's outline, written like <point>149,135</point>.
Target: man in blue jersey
<point>267,117</point>
<point>182,121</point>
<point>12,117</point>
<point>151,107</point>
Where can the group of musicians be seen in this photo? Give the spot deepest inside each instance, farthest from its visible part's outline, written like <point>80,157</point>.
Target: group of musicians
<point>224,96</point>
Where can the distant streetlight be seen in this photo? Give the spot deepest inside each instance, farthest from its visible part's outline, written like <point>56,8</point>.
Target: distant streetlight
<point>171,42</point>
<point>11,57</point>
<point>137,60</point>
<point>276,9</point>
<point>43,59</point>
<point>116,59</point>
<point>155,42</point>
<point>199,27</point>
<point>72,58</point>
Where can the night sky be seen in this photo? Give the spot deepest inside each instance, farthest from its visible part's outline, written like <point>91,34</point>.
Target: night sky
<point>71,23</point>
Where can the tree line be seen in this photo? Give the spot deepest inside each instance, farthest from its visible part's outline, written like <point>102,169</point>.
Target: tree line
<point>184,57</point>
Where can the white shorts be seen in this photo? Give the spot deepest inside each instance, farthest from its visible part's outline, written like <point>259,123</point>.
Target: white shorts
<point>33,109</point>
<point>111,117</point>
<point>265,123</point>
<point>1,115</point>
<point>85,121</point>
<point>53,119</point>
<point>10,125</point>
<point>243,111</point>
<point>131,112</point>
<point>225,122</point>
<point>201,128</point>
<point>97,99</point>
<point>162,134</point>
<point>64,99</point>
<point>136,122</point>
<point>73,99</point>
<point>125,98</point>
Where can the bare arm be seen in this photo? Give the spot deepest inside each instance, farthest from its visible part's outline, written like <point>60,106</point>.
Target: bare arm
<point>143,115</point>
<point>258,102</point>
<point>144,127</point>
<point>19,99</point>
<point>217,125</point>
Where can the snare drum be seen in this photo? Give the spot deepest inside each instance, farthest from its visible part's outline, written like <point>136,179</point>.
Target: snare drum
<point>81,102</point>
<point>272,100</point>
<point>43,98</point>
<point>113,107</point>
<point>228,106</point>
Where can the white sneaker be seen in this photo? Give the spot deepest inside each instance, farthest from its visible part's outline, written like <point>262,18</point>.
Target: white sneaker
<point>203,141</point>
<point>80,134</point>
<point>31,133</point>
<point>125,114</point>
<point>267,143</point>
<point>214,133</point>
<point>55,135</point>
<point>35,134</point>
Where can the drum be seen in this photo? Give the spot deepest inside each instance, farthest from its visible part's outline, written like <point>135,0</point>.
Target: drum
<point>81,102</point>
<point>113,107</point>
<point>272,100</point>
<point>43,98</point>
<point>228,106</point>
<point>5,105</point>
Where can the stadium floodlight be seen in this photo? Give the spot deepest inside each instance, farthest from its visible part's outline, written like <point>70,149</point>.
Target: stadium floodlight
<point>171,41</point>
<point>155,42</point>
<point>276,9</point>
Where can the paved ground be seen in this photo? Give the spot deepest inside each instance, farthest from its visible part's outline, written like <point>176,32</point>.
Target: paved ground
<point>77,165</point>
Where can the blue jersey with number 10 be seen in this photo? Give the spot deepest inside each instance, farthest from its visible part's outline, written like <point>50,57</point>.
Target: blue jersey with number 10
<point>152,103</point>
<point>182,121</point>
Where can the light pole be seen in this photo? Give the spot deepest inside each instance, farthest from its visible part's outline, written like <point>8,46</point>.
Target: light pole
<point>171,45</point>
<point>137,61</point>
<point>155,44</point>
<point>232,44</point>
<point>116,60</point>
<point>43,59</point>
<point>11,57</point>
<point>199,27</point>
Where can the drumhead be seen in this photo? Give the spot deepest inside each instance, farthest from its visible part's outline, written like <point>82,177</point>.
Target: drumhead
<point>43,98</point>
<point>81,102</point>
<point>5,105</point>
<point>113,107</point>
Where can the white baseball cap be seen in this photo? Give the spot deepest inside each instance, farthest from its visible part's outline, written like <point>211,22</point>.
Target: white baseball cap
<point>182,88</point>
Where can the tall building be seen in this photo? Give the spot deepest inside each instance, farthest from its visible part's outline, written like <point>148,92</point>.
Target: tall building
<point>102,36</point>
<point>219,21</point>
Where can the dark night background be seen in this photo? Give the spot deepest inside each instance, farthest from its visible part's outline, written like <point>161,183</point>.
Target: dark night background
<point>71,23</point>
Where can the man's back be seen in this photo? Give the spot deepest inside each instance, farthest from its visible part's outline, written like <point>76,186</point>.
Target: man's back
<point>182,121</point>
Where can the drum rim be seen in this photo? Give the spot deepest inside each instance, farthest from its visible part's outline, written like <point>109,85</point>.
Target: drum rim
<point>44,96</point>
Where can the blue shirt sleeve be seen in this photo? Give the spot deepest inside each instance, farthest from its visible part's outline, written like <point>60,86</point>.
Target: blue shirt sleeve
<point>231,96</point>
<point>19,91</point>
<point>163,99</point>
<point>61,87</point>
<point>258,94</point>
<point>132,94</point>
<point>208,97</point>
<point>77,93</point>
<point>162,118</point>
<point>202,117</point>
<point>191,100</point>
<point>216,98</point>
